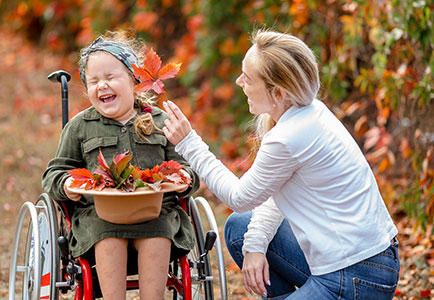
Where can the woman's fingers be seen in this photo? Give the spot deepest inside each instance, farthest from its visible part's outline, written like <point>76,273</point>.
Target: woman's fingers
<point>177,126</point>
<point>177,113</point>
<point>169,106</point>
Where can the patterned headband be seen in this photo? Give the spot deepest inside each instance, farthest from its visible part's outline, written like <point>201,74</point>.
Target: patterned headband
<point>121,52</point>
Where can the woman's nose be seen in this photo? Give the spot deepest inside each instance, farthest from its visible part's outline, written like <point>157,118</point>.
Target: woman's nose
<point>238,81</point>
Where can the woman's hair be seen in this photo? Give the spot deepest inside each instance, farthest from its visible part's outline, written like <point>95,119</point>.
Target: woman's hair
<point>144,123</point>
<point>285,62</point>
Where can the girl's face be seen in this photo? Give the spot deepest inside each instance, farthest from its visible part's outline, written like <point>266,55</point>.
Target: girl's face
<point>258,97</point>
<point>110,87</point>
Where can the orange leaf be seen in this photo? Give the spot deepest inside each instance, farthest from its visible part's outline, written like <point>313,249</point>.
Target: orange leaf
<point>383,165</point>
<point>152,74</point>
<point>81,174</point>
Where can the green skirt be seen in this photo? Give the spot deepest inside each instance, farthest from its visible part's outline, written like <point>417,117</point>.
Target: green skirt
<point>173,223</point>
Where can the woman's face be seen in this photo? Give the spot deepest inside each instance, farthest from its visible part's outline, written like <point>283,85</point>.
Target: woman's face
<point>110,87</point>
<point>258,97</point>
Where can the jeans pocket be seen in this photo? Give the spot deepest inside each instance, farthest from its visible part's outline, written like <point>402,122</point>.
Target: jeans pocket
<point>366,290</point>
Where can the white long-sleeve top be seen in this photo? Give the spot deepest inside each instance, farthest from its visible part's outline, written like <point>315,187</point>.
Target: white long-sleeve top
<point>319,179</point>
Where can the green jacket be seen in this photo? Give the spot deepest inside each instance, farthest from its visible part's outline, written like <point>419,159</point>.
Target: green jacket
<point>79,145</point>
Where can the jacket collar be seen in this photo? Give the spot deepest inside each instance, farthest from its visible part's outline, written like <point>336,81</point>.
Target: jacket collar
<point>91,114</point>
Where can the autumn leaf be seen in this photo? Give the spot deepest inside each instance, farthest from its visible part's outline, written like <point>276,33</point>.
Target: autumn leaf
<point>152,74</point>
<point>102,161</point>
<point>121,161</point>
<point>170,167</point>
<point>81,177</point>
<point>81,174</point>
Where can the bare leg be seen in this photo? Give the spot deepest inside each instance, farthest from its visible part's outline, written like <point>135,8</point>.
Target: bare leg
<point>111,265</point>
<point>153,261</point>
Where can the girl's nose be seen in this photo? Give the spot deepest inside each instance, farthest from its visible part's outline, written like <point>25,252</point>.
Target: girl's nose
<point>102,84</point>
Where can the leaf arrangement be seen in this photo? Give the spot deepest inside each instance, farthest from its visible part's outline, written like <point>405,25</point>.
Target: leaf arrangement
<point>152,74</point>
<point>121,174</point>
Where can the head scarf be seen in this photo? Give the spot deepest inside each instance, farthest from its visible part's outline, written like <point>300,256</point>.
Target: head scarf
<point>121,52</point>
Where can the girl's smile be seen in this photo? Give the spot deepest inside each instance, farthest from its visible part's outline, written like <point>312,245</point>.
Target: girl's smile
<point>110,87</point>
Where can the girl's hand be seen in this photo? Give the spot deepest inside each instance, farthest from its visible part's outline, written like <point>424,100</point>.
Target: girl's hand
<point>71,195</point>
<point>255,273</point>
<point>177,126</point>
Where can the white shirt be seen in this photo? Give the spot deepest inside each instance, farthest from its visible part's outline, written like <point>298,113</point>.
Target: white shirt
<point>319,179</point>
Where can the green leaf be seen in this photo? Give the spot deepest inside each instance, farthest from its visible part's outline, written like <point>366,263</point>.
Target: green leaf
<point>122,162</point>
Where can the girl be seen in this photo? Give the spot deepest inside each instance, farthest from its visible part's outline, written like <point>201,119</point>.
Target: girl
<point>119,120</point>
<point>308,169</point>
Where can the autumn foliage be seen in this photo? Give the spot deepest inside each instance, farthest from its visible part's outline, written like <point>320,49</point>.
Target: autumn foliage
<point>376,61</point>
<point>121,174</point>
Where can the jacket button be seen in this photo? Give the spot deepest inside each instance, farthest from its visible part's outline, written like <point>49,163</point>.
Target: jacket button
<point>123,129</point>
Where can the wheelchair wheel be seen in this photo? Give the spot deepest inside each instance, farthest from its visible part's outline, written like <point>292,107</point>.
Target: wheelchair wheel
<point>200,288</point>
<point>37,269</point>
<point>214,256</point>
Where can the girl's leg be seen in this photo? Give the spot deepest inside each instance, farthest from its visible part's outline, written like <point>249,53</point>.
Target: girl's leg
<point>153,261</point>
<point>288,266</point>
<point>111,265</point>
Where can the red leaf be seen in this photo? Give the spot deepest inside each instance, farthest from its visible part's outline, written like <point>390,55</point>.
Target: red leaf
<point>102,161</point>
<point>152,74</point>
<point>425,293</point>
<point>170,167</point>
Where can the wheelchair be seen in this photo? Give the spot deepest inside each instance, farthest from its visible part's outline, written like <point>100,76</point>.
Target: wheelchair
<point>41,266</point>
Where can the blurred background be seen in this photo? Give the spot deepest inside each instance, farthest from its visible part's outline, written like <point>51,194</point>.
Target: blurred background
<point>376,63</point>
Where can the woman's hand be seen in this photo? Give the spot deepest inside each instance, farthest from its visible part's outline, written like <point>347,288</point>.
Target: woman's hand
<point>255,273</point>
<point>71,195</point>
<point>177,126</point>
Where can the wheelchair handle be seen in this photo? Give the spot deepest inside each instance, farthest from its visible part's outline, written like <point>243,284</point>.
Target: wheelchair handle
<point>63,77</point>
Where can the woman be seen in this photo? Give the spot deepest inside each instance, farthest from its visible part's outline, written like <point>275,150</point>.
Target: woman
<point>315,174</point>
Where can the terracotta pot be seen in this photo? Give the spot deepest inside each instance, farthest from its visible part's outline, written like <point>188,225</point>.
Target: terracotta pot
<point>120,207</point>
<point>128,209</point>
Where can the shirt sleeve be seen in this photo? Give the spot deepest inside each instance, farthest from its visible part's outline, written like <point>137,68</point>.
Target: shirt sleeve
<point>263,225</point>
<point>68,157</point>
<point>272,167</point>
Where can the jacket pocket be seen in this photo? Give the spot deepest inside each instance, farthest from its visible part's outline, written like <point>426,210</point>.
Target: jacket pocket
<point>153,139</point>
<point>107,144</point>
<point>149,152</point>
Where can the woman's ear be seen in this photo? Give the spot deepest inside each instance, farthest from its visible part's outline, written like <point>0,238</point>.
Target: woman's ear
<point>279,93</point>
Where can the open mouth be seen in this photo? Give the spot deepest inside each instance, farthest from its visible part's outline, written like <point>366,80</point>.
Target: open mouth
<point>107,98</point>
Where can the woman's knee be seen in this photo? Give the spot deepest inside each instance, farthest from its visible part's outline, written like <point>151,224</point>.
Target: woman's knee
<point>236,226</point>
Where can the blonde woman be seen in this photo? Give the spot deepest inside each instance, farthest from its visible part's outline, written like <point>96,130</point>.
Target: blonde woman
<point>309,170</point>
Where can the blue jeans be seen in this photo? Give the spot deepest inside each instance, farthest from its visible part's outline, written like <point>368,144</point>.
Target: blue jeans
<point>374,278</point>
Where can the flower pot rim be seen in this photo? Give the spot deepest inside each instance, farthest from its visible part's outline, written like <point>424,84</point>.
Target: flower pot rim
<point>166,187</point>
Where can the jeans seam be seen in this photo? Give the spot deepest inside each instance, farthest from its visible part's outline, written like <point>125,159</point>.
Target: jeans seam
<point>341,292</point>
<point>270,251</point>
<point>238,252</point>
<point>379,266</point>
